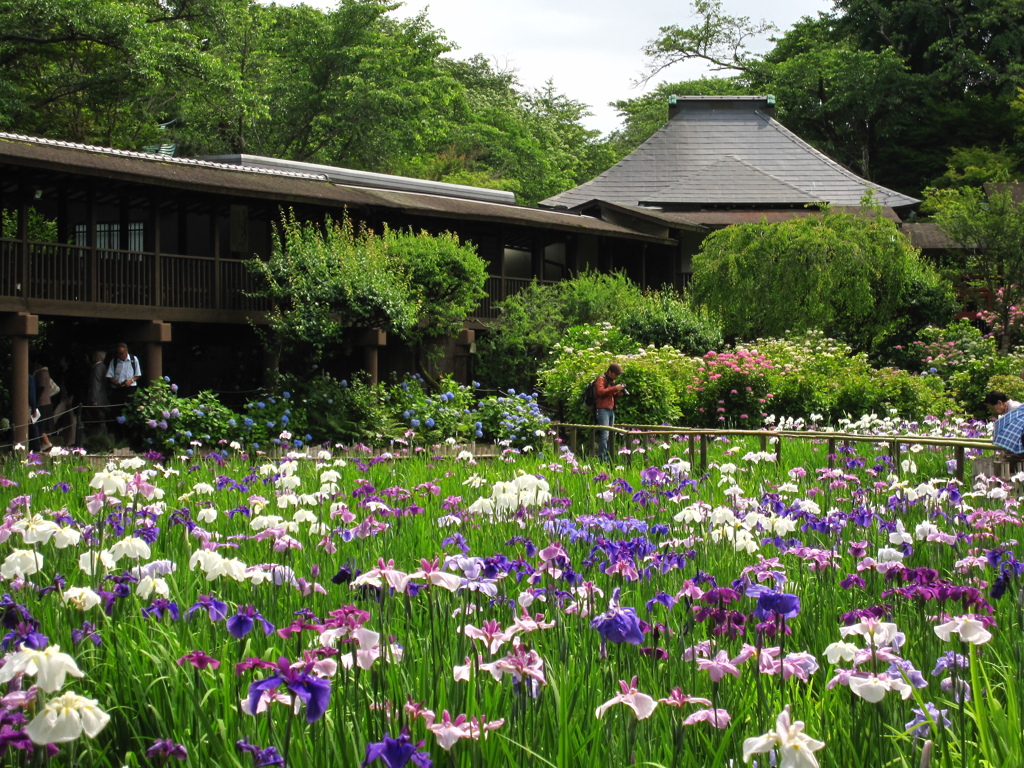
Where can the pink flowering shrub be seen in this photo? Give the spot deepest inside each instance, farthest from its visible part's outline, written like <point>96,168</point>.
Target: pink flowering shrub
<point>731,388</point>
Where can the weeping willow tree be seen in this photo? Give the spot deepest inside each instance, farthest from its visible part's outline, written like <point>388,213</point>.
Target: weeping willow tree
<point>854,276</point>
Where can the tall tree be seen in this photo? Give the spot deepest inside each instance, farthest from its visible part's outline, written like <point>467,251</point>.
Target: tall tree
<point>889,88</point>
<point>101,71</point>
<point>988,224</point>
<point>855,277</point>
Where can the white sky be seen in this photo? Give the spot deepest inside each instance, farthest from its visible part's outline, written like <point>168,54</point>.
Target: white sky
<point>591,49</point>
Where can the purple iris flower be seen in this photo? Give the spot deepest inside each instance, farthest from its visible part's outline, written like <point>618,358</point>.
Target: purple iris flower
<point>11,613</point>
<point>161,607</point>
<point>241,624</point>
<point>661,597</point>
<point>618,625</point>
<point>315,692</point>
<point>217,609</point>
<point>11,734</point>
<point>25,633</point>
<point>947,661</point>
<point>397,753</point>
<point>260,757</point>
<point>653,476</point>
<point>920,725</point>
<point>59,582</point>
<point>87,632</point>
<point>782,604</point>
<point>165,749</point>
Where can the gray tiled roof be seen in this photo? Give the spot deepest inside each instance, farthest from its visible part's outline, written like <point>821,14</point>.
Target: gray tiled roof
<point>727,151</point>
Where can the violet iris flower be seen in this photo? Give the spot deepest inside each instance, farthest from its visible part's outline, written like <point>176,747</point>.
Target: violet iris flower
<point>165,749</point>
<point>242,623</point>
<point>216,609</point>
<point>11,612</point>
<point>397,753</point>
<point>315,692</point>
<point>25,633</point>
<point>618,625</point>
<point>781,604</point>
<point>87,632</point>
<point>161,607</point>
<point>260,757</point>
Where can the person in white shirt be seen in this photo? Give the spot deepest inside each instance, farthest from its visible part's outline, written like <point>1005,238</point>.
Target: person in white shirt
<point>123,375</point>
<point>999,404</point>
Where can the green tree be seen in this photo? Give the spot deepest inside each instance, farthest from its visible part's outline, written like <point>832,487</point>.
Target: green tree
<point>888,88</point>
<point>351,86</point>
<point>324,279</point>
<point>501,136</point>
<point>988,224</point>
<point>445,279</point>
<point>535,319</point>
<point>851,276</point>
<point>100,71</point>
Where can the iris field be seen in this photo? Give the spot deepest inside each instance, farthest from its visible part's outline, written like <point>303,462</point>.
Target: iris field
<point>423,607</point>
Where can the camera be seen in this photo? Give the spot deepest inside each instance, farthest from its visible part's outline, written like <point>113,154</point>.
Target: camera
<point>624,391</point>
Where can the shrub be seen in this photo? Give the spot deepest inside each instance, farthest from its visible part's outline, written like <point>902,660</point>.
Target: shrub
<point>515,420</point>
<point>731,389</point>
<point>663,319</point>
<point>432,417</point>
<point>159,419</point>
<point>653,376</point>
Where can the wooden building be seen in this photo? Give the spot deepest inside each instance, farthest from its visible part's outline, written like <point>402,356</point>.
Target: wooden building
<point>154,247</point>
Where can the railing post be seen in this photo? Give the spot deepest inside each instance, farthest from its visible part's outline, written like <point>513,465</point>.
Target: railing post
<point>896,460</point>
<point>959,457</point>
<point>703,453</point>
<point>693,450</point>
<point>831,453</point>
<point>778,450</point>
<point>764,442</point>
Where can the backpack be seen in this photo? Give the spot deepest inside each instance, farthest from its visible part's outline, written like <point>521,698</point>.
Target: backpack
<point>590,394</point>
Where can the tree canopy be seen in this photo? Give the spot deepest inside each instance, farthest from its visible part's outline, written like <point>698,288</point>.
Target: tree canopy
<point>324,279</point>
<point>888,88</point>
<point>855,277</point>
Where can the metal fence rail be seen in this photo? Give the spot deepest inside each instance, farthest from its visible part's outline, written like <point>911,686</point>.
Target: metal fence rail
<point>698,439</point>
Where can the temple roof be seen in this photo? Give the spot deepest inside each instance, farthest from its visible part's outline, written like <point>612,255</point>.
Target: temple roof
<point>726,151</point>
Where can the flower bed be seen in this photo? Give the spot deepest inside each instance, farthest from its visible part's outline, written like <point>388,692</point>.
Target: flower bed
<point>412,607</point>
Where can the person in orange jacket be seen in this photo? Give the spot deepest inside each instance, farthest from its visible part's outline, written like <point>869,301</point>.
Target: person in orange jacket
<point>605,393</point>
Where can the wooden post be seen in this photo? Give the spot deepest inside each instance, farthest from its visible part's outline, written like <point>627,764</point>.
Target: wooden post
<point>958,454</point>
<point>693,451</point>
<point>703,453</point>
<point>831,453</point>
<point>19,327</point>
<point>764,442</point>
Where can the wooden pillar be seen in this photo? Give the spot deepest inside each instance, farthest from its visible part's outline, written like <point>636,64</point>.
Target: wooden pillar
<point>371,340</point>
<point>154,335</point>
<point>20,327</point>
<point>465,348</point>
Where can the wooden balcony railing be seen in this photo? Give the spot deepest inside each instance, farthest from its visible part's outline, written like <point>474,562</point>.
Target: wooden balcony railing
<point>72,273</point>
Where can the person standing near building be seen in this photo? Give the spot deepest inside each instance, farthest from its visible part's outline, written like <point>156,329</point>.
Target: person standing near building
<point>96,399</point>
<point>123,374</point>
<point>605,393</point>
<point>46,391</point>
